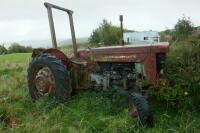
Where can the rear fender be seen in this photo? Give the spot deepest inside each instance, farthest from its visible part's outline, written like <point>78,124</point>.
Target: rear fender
<point>54,52</point>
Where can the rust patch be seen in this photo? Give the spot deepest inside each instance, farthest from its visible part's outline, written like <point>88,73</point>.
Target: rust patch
<point>132,109</point>
<point>44,81</point>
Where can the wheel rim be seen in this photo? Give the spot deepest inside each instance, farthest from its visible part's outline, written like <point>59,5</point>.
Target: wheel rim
<point>132,109</point>
<point>43,81</point>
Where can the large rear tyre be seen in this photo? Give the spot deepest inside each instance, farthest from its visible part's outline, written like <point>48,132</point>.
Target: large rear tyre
<point>138,108</point>
<point>47,75</point>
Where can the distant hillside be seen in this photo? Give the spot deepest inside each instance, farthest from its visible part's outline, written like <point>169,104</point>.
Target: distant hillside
<point>45,43</point>
<point>69,41</point>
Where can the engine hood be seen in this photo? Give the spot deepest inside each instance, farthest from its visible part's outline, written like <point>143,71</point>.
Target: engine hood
<point>114,53</point>
<point>132,48</point>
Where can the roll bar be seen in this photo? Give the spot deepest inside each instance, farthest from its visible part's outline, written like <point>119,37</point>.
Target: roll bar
<point>49,7</point>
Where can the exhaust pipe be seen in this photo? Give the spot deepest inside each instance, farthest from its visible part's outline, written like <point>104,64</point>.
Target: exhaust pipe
<point>122,30</point>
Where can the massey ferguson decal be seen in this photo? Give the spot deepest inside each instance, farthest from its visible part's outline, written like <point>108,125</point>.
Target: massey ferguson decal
<point>122,58</point>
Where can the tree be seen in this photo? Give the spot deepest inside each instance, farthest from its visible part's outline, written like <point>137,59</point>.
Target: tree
<point>106,34</point>
<point>183,28</point>
<point>17,48</point>
<point>3,50</point>
<point>166,35</point>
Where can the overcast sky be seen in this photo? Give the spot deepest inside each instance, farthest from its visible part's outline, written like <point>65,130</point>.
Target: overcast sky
<point>27,19</point>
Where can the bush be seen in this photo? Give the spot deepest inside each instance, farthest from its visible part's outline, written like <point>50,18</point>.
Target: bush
<point>3,50</point>
<point>17,48</point>
<point>183,28</point>
<point>182,69</point>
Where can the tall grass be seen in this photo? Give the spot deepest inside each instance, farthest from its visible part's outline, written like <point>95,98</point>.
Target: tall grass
<point>85,112</point>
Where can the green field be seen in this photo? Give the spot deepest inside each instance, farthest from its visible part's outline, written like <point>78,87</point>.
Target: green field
<point>85,112</point>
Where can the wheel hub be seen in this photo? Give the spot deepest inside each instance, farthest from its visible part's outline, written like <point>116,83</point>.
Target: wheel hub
<point>44,81</point>
<point>132,109</point>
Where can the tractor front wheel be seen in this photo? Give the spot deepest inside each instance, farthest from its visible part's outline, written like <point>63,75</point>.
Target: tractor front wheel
<point>47,75</point>
<point>138,108</point>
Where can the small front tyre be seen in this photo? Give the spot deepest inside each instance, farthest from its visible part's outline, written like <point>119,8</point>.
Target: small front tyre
<point>138,108</point>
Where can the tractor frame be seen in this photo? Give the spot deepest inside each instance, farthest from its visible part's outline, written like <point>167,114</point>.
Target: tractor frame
<point>134,69</point>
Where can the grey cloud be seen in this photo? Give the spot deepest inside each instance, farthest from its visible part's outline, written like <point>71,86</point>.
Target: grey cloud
<point>27,19</point>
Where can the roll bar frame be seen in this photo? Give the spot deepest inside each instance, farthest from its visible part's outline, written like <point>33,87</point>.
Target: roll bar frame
<point>49,7</point>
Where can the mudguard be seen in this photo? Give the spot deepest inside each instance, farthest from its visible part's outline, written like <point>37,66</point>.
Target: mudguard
<point>54,52</point>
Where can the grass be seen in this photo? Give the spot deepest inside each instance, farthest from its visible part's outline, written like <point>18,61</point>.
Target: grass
<point>85,112</point>
<point>19,58</point>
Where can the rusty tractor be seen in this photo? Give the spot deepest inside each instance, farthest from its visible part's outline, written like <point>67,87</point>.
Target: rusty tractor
<point>134,69</point>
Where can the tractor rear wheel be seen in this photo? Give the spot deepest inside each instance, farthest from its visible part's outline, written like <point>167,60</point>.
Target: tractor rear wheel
<point>138,107</point>
<point>48,76</point>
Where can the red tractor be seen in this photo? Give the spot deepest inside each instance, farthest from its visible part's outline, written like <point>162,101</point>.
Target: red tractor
<point>133,69</point>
